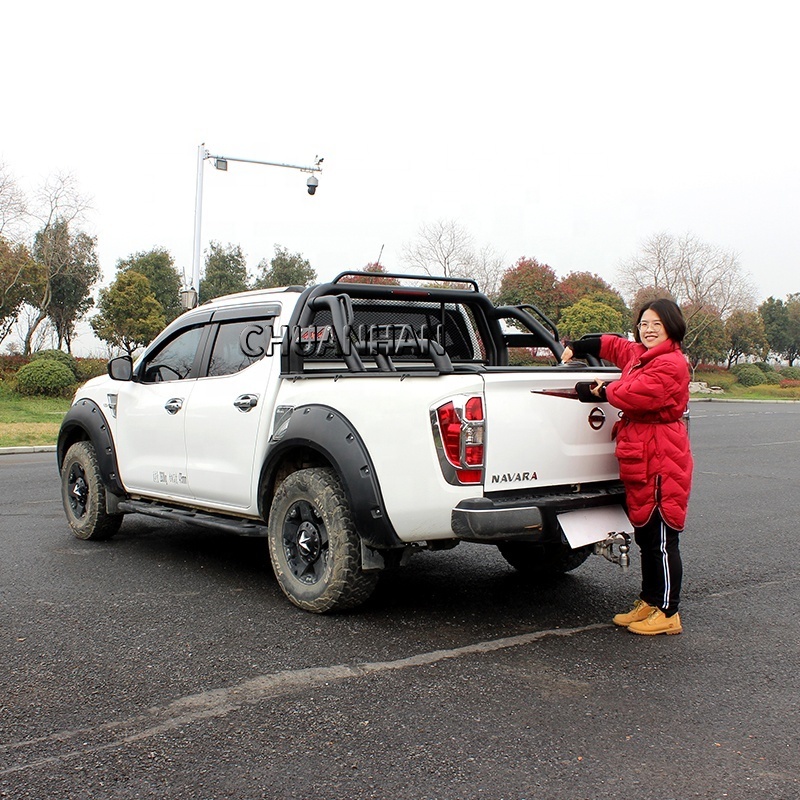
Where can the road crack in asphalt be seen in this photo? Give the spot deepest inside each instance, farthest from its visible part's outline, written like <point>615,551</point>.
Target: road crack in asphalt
<point>216,703</point>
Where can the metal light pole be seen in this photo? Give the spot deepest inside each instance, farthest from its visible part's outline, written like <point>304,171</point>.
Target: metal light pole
<point>191,294</point>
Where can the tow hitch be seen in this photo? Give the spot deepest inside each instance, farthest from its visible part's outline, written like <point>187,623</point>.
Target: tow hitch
<point>621,556</point>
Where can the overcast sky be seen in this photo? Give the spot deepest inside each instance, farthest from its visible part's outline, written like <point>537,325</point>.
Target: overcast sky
<point>565,131</point>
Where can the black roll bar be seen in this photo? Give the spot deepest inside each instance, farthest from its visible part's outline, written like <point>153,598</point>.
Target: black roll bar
<point>399,275</point>
<point>341,310</point>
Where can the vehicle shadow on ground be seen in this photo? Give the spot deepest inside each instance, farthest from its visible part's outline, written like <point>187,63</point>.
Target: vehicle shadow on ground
<point>470,584</point>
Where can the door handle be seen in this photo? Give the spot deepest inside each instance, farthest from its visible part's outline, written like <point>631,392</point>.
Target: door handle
<point>174,405</point>
<point>244,402</point>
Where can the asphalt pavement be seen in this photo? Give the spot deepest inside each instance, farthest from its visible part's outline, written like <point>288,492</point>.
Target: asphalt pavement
<point>165,663</point>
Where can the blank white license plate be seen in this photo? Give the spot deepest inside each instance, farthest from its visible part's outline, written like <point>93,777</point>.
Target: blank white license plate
<point>590,525</point>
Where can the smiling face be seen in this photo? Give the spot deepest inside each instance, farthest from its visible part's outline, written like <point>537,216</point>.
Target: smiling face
<point>651,329</point>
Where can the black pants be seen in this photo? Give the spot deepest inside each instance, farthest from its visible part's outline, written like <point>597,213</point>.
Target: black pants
<point>662,569</point>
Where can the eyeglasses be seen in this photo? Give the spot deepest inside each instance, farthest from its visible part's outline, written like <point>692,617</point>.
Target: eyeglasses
<point>653,326</point>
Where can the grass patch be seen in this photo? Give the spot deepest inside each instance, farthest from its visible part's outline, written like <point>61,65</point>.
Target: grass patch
<point>735,391</point>
<point>764,392</point>
<point>28,434</point>
<point>28,421</point>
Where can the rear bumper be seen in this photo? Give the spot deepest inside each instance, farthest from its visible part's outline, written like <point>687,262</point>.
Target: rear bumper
<point>527,518</point>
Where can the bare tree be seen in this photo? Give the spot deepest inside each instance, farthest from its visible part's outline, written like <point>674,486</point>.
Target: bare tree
<point>488,270</point>
<point>446,248</point>
<point>693,272</point>
<point>34,333</point>
<point>441,248</point>
<point>59,199</point>
<point>13,208</point>
<point>56,250</point>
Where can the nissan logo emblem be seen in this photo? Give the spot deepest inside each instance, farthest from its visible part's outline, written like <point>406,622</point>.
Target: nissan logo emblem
<point>597,418</point>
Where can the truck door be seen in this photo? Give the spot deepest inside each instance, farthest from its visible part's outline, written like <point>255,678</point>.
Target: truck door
<point>226,411</point>
<point>151,413</point>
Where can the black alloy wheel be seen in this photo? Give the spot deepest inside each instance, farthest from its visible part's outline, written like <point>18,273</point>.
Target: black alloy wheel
<point>305,542</point>
<point>77,490</point>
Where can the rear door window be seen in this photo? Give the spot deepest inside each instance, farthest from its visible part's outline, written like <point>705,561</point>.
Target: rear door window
<point>237,345</point>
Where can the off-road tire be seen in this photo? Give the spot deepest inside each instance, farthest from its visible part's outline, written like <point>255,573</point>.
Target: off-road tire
<point>313,544</point>
<point>533,558</point>
<point>84,495</point>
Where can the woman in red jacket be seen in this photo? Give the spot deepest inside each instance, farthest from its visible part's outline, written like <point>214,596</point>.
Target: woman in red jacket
<point>652,447</point>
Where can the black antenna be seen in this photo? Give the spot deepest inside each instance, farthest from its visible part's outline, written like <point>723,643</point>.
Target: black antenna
<point>378,262</point>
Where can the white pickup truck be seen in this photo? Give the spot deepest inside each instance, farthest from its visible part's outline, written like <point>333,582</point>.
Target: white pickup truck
<point>351,423</point>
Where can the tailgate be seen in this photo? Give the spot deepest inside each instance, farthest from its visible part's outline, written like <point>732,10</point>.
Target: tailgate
<point>539,434</point>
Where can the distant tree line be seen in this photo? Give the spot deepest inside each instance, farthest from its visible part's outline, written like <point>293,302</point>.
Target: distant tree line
<point>716,295</point>
<point>145,295</point>
<point>47,281</point>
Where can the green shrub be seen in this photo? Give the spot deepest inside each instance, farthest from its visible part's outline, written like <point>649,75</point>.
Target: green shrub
<point>58,355</point>
<point>772,378</point>
<point>790,373</point>
<point>91,368</point>
<point>45,376</point>
<point>764,367</point>
<point>750,375</point>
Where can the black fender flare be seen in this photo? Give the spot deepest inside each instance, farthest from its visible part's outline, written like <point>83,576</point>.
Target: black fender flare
<point>329,433</point>
<point>85,420</point>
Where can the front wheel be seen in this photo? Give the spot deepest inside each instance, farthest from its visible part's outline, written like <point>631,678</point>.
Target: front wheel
<point>84,495</point>
<point>313,545</point>
<point>534,558</point>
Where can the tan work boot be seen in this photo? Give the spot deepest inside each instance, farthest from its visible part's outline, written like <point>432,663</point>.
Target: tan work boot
<point>640,611</point>
<point>657,622</point>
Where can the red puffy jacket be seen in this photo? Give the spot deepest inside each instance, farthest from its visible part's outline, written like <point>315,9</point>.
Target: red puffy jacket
<point>655,460</point>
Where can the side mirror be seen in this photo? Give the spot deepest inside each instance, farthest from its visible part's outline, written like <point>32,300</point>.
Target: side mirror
<point>120,368</point>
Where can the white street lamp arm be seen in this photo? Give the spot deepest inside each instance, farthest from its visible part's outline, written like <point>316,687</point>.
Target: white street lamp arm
<point>192,293</point>
<point>315,168</point>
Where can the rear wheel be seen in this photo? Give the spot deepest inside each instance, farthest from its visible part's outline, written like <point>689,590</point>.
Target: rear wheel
<point>314,547</point>
<point>535,558</point>
<point>84,495</point>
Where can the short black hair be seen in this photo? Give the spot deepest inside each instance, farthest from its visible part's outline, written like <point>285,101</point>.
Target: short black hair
<point>670,315</point>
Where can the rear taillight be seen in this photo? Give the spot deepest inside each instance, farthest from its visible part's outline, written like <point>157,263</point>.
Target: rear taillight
<point>458,430</point>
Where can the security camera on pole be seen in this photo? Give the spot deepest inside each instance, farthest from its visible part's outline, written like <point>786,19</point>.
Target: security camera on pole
<point>190,296</point>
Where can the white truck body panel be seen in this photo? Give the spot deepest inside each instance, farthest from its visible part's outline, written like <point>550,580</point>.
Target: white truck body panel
<point>393,419</point>
<point>543,436</point>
